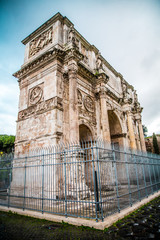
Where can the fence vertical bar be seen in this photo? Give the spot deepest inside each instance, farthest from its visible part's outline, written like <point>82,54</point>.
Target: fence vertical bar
<point>149,170</point>
<point>101,208</point>
<point>139,194</point>
<point>115,170</point>
<point>94,182</point>
<point>158,168</point>
<point>144,177</point>
<point>155,174</point>
<point>65,183</point>
<point>128,180</point>
<point>42,180</point>
<point>24,183</point>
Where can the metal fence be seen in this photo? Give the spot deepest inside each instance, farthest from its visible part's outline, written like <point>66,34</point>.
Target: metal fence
<point>90,179</point>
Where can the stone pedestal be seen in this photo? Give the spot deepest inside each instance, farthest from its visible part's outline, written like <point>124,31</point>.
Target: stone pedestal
<point>74,174</point>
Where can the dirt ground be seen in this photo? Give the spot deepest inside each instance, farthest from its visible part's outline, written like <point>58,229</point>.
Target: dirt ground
<point>142,224</point>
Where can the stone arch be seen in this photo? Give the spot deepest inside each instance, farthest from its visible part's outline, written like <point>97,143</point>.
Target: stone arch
<point>88,127</point>
<point>85,133</point>
<point>85,137</point>
<point>115,129</point>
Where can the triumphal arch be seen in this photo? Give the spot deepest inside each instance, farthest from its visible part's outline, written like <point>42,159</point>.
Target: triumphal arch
<point>69,92</point>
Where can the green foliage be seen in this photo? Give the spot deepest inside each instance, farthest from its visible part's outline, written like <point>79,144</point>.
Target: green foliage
<point>96,73</point>
<point>6,143</point>
<point>155,144</point>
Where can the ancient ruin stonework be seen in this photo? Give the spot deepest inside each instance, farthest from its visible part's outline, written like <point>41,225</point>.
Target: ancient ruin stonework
<point>69,92</point>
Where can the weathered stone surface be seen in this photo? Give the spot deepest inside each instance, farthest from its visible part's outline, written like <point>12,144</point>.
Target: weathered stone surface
<point>65,82</point>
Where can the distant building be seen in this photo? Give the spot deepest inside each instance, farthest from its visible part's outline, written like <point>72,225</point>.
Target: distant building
<point>149,143</point>
<point>69,92</point>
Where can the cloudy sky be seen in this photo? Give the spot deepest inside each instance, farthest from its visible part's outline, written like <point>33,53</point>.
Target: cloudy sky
<point>127,33</point>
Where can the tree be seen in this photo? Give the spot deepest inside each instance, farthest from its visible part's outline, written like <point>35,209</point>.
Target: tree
<point>145,130</point>
<point>6,143</point>
<point>155,144</point>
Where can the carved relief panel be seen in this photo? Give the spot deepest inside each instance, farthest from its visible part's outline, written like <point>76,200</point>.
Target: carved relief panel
<point>85,54</point>
<point>80,100</point>
<point>35,95</point>
<point>40,42</point>
<point>86,107</point>
<point>89,104</point>
<point>65,88</point>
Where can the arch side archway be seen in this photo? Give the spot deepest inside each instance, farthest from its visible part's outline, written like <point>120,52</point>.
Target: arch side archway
<point>115,129</point>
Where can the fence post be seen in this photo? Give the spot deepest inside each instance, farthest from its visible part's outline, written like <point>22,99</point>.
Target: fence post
<point>24,183</point>
<point>139,194</point>
<point>98,168</point>
<point>42,179</point>
<point>115,170</point>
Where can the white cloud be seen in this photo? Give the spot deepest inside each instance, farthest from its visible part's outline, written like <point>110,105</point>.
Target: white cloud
<point>7,124</point>
<point>8,108</point>
<point>154,125</point>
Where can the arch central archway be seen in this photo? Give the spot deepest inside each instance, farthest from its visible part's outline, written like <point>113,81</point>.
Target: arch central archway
<point>85,133</point>
<point>86,137</point>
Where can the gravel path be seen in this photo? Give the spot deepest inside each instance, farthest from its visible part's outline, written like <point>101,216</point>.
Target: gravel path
<point>142,224</point>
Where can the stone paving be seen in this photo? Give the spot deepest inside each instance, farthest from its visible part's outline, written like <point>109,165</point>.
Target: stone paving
<point>141,224</point>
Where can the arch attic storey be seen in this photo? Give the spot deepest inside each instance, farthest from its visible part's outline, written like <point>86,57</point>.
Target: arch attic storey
<point>69,92</point>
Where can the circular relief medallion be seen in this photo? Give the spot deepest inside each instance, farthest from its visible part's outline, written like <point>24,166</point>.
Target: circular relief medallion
<point>35,95</point>
<point>88,103</point>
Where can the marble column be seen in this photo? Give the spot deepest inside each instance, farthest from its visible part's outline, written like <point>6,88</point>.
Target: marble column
<point>104,117</point>
<point>137,138</point>
<point>73,103</point>
<point>131,131</point>
<point>141,134</point>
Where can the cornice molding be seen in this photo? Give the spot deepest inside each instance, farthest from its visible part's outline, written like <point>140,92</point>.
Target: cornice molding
<point>86,73</point>
<point>112,95</point>
<point>120,135</point>
<point>39,62</point>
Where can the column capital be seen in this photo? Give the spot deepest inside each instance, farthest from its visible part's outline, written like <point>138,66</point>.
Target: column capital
<point>72,68</point>
<point>129,113</point>
<point>102,78</point>
<point>73,54</point>
<point>139,121</point>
